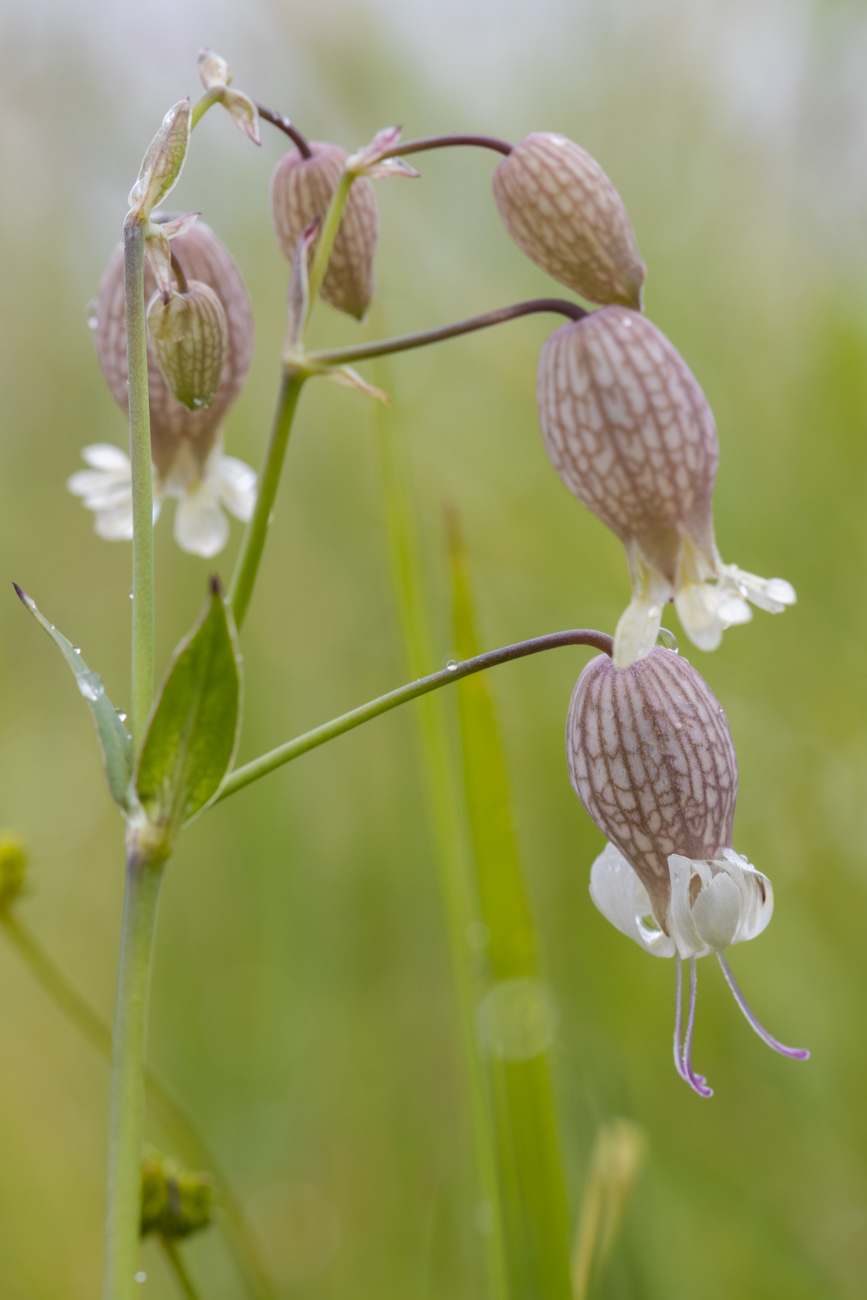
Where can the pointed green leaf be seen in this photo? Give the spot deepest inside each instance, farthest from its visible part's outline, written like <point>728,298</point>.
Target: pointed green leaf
<point>193,729</point>
<point>114,741</point>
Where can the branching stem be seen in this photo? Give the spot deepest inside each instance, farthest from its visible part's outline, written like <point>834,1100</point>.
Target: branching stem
<point>283,124</point>
<point>247,564</point>
<point>260,767</point>
<point>404,342</point>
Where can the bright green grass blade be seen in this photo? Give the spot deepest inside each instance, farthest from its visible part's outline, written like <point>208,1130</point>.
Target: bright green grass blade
<point>516,1018</point>
<point>456,882</point>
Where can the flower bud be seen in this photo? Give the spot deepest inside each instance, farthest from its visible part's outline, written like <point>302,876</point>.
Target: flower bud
<point>301,190</point>
<point>174,1202</point>
<point>652,760</point>
<point>13,868</point>
<point>162,164</point>
<point>175,429</point>
<point>563,212</point>
<point>190,339</point>
<point>629,431</point>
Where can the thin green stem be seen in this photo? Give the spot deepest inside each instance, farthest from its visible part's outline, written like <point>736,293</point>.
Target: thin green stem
<point>202,105</point>
<point>142,485</point>
<point>126,1124</point>
<point>166,1108</point>
<point>247,564</point>
<point>403,342</point>
<point>260,767</point>
<point>328,234</point>
<point>179,1268</point>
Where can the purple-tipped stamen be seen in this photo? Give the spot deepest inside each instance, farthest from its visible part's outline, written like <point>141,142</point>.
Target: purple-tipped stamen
<point>797,1053</point>
<point>695,1081</point>
<point>683,1054</point>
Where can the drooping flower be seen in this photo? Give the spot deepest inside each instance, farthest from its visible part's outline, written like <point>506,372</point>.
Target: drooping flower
<point>651,758</point>
<point>186,445</point>
<point>216,76</point>
<point>563,212</point>
<point>629,431</point>
<point>301,190</point>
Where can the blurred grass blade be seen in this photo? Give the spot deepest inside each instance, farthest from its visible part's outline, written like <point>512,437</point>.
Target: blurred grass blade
<point>114,741</point>
<point>455,873</point>
<point>618,1155</point>
<point>193,730</point>
<point>516,1018</point>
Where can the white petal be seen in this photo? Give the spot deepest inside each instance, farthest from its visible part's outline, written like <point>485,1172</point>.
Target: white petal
<point>115,524</point>
<point>757,894</point>
<point>706,612</point>
<point>102,455</point>
<point>771,594</point>
<point>717,912</point>
<point>235,485</point>
<point>636,632</point>
<point>96,484</point>
<point>200,525</point>
<point>683,928</point>
<point>623,900</point>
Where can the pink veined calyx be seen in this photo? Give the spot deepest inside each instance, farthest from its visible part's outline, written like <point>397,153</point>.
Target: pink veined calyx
<point>651,758</point>
<point>629,431</point>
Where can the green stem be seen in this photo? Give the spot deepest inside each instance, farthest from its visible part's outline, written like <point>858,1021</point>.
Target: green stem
<point>179,1268</point>
<point>202,105</point>
<point>160,1099</point>
<point>260,767</point>
<point>142,484</point>
<point>247,564</point>
<point>328,234</point>
<point>403,342</point>
<point>126,1124</point>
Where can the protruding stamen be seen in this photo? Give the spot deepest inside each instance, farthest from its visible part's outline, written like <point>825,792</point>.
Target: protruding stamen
<point>696,1081</point>
<point>678,1017</point>
<point>797,1053</point>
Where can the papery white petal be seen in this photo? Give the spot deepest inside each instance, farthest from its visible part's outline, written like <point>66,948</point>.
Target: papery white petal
<point>622,899</point>
<point>200,525</point>
<point>636,632</point>
<point>115,524</point>
<point>716,912</point>
<point>706,612</point>
<point>103,455</point>
<point>94,484</point>
<point>757,894</point>
<point>683,928</point>
<point>235,485</point>
<point>771,594</point>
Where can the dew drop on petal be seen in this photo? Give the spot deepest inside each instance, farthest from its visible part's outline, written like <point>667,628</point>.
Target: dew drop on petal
<point>666,639</point>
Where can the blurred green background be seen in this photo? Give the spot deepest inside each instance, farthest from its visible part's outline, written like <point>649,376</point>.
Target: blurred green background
<point>302,1003</point>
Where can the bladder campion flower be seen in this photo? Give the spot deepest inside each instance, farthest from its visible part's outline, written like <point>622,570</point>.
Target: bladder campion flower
<point>652,760</point>
<point>186,445</point>
<point>563,212</point>
<point>631,434</point>
<point>301,190</point>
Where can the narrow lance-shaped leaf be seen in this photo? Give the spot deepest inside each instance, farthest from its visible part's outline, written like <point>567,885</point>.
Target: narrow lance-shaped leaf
<point>516,1017</point>
<point>114,742</point>
<point>193,730</point>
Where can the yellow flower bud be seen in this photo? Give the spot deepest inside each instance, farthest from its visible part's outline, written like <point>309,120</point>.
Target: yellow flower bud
<point>174,1202</point>
<point>301,190</point>
<point>190,339</point>
<point>563,212</point>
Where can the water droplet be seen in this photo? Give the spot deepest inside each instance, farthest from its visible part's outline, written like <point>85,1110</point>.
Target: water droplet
<point>666,639</point>
<point>141,1276</point>
<point>91,314</point>
<point>77,649</point>
<point>120,713</point>
<point>477,935</point>
<point>90,686</point>
<point>452,665</point>
<point>130,593</point>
